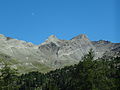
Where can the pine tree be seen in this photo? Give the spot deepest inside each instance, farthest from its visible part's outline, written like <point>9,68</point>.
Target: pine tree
<point>8,78</point>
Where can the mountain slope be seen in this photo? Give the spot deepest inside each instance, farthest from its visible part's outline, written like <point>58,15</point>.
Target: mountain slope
<point>54,53</point>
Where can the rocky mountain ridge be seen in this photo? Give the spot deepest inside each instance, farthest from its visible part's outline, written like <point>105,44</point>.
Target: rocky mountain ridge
<point>55,53</point>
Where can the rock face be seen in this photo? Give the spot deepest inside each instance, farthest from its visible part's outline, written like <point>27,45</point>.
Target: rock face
<point>55,53</point>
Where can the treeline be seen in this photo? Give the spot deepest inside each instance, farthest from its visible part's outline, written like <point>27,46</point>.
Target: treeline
<point>88,74</point>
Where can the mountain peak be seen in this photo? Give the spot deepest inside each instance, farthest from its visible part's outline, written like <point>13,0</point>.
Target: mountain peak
<point>2,36</point>
<point>81,36</point>
<point>52,37</point>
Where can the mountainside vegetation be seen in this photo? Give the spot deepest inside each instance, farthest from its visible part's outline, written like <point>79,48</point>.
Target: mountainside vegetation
<point>23,67</point>
<point>88,74</point>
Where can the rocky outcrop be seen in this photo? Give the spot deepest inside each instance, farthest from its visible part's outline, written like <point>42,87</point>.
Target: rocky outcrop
<point>107,48</point>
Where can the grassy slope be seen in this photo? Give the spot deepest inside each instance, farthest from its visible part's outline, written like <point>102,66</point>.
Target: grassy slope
<point>22,66</point>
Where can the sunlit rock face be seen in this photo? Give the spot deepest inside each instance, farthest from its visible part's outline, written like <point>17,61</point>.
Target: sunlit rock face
<point>55,53</point>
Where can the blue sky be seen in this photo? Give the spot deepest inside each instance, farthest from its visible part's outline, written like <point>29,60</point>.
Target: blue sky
<point>35,20</point>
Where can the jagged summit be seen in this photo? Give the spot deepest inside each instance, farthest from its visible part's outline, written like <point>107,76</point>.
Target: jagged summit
<point>52,38</point>
<point>80,36</point>
<point>103,41</point>
<point>2,36</point>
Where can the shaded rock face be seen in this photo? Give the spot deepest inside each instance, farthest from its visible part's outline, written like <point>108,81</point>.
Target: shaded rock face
<point>55,53</point>
<point>107,48</point>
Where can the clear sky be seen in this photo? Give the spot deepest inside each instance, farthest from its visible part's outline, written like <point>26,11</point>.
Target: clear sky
<point>35,20</point>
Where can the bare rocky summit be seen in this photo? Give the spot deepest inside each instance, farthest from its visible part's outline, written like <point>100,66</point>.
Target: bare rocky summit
<point>54,53</point>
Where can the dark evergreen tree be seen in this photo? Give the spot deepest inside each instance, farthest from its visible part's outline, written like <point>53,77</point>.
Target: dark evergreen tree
<point>8,78</point>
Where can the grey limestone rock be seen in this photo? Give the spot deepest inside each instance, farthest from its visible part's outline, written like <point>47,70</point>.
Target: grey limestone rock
<point>55,53</point>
